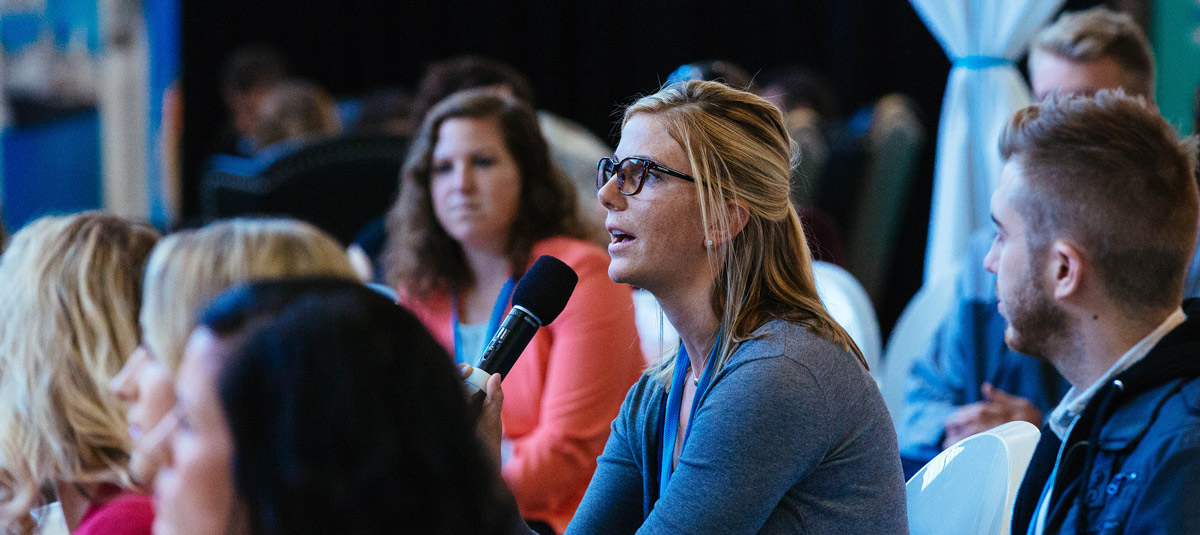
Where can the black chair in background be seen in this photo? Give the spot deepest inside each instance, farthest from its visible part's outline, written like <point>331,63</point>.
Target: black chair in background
<point>339,185</point>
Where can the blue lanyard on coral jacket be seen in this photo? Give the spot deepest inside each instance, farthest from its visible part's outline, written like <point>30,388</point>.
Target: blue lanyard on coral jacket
<point>674,404</point>
<point>498,311</point>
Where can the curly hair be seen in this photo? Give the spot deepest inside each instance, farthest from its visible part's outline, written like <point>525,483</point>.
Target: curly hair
<point>421,257</point>
<point>68,320</point>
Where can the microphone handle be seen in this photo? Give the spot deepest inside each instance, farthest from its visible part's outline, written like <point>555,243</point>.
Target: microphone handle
<point>509,341</point>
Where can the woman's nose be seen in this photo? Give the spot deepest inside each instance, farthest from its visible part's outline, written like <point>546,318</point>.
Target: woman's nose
<point>157,442</point>
<point>464,177</point>
<point>610,196</point>
<point>122,384</point>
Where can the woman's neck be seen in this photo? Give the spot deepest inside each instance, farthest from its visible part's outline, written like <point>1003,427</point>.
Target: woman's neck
<point>490,270</point>
<point>690,312</point>
<point>74,502</point>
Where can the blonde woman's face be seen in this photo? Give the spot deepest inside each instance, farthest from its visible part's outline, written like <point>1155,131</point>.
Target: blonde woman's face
<point>194,492</point>
<point>144,384</point>
<point>657,236</point>
<point>475,183</point>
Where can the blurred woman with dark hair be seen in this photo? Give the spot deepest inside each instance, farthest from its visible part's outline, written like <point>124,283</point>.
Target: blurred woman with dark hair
<point>480,199</point>
<point>318,406</point>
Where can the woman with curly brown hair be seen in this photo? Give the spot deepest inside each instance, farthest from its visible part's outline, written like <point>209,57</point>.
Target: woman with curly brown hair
<point>480,200</point>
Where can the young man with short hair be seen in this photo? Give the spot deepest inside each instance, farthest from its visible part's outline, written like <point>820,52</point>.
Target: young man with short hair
<point>1096,217</point>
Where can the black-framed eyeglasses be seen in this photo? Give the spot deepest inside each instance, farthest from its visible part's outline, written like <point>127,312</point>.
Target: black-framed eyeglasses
<point>631,173</point>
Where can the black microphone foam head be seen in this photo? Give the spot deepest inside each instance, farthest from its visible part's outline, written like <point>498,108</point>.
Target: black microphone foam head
<point>545,289</point>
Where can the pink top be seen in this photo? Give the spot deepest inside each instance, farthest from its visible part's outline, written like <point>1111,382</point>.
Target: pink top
<point>563,393</point>
<point>125,513</point>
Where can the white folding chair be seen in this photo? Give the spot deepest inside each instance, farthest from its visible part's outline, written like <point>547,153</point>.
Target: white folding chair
<point>969,489</point>
<point>848,303</point>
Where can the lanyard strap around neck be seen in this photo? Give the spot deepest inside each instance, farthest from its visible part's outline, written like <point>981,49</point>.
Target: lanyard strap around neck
<point>675,403</point>
<point>498,311</point>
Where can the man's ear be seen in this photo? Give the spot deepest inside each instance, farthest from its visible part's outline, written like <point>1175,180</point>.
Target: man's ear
<point>738,216</point>
<point>1066,269</point>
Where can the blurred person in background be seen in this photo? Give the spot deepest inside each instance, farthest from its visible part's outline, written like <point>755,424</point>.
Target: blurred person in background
<point>572,147</point>
<point>187,270</point>
<point>294,112</point>
<point>480,201</point>
<point>290,115</point>
<point>68,321</point>
<point>248,74</point>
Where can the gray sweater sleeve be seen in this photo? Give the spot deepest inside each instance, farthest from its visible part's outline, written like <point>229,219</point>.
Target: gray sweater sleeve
<point>614,498</point>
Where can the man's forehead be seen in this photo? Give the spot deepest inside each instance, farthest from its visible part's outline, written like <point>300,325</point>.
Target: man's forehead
<point>1051,73</point>
<point>1010,182</point>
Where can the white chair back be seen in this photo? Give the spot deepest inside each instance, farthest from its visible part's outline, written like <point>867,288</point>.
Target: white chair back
<point>970,488</point>
<point>850,306</point>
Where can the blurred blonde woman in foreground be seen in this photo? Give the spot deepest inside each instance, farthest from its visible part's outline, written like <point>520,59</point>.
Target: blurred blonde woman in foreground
<point>185,271</point>
<point>68,310</point>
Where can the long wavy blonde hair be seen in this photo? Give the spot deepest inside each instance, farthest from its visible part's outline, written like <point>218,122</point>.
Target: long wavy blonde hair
<point>740,152</point>
<point>68,309</point>
<point>189,268</point>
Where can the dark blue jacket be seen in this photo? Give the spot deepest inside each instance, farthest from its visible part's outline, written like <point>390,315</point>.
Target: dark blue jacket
<point>1132,461</point>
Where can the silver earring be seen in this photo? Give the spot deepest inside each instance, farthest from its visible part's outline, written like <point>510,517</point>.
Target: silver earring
<point>708,243</point>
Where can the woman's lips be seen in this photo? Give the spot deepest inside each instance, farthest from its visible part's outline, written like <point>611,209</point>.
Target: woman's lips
<point>620,239</point>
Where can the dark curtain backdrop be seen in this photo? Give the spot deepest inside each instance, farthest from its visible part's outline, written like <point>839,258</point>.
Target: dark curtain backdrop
<point>584,59</point>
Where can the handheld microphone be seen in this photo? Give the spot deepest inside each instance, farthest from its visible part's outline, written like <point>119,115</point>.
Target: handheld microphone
<point>540,296</point>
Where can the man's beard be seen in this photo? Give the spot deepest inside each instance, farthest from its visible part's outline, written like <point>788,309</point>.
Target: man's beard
<point>1036,324</point>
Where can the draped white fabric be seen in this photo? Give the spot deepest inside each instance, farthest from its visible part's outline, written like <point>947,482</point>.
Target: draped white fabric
<point>983,38</point>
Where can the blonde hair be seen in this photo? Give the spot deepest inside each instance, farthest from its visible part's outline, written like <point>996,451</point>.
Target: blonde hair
<point>187,269</point>
<point>68,309</point>
<point>1096,33</point>
<point>740,153</point>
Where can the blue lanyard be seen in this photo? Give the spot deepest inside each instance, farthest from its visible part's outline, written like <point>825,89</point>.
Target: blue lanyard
<point>498,311</point>
<point>674,404</point>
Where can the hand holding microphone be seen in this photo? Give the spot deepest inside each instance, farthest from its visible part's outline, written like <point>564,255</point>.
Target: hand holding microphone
<point>540,296</point>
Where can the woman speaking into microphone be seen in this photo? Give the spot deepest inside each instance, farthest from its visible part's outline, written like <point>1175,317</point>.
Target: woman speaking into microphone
<point>480,200</point>
<point>765,421</point>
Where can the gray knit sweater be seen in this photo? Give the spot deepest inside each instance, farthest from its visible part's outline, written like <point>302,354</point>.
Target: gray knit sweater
<point>791,437</point>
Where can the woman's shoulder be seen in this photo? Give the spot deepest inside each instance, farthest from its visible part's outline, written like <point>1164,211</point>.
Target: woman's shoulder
<point>784,344</point>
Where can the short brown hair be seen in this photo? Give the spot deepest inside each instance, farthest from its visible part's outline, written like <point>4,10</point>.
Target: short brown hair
<point>1093,34</point>
<point>1113,175</point>
<point>421,257</point>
